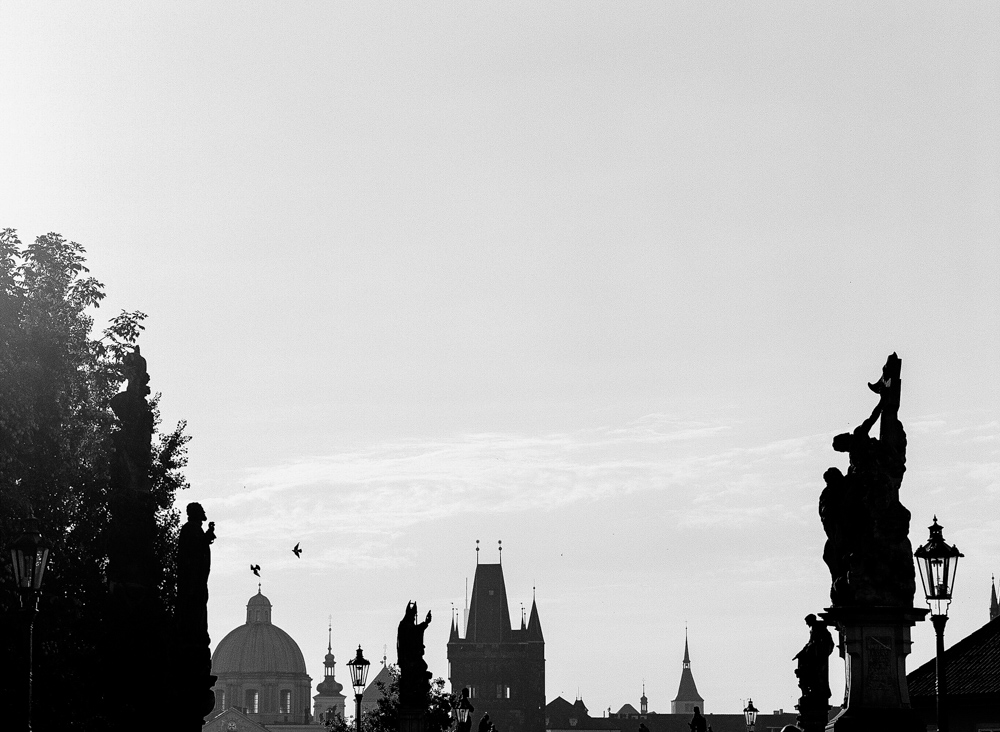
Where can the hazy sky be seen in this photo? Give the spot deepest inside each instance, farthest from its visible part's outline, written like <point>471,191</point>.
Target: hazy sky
<point>601,280</point>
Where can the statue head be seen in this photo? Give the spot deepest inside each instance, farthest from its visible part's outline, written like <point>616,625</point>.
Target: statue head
<point>411,610</point>
<point>843,442</point>
<point>811,620</point>
<point>196,513</point>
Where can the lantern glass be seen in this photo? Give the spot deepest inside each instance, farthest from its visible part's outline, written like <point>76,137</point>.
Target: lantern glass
<point>30,555</point>
<point>750,713</point>
<point>463,714</point>
<point>359,672</point>
<point>938,565</point>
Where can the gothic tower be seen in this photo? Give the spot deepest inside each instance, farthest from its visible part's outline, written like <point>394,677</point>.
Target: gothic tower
<point>994,606</point>
<point>687,693</point>
<point>503,668</point>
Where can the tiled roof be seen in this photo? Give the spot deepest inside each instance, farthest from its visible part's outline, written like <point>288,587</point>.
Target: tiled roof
<point>972,666</point>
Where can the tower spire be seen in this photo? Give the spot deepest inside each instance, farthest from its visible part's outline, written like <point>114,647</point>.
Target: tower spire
<point>994,605</point>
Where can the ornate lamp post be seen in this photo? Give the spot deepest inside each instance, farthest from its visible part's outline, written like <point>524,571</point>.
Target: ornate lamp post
<point>464,710</point>
<point>938,563</point>
<point>358,667</point>
<point>750,714</point>
<point>30,555</point>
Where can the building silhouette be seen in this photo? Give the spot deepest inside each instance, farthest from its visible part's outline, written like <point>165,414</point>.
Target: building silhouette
<point>687,693</point>
<point>261,671</point>
<point>503,667</point>
<point>328,698</point>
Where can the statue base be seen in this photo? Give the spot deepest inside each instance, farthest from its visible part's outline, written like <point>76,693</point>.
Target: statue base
<point>412,720</point>
<point>874,643</point>
<point>813,713</point>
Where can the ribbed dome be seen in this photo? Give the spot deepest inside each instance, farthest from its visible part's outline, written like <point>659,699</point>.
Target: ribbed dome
<point>259,646</point>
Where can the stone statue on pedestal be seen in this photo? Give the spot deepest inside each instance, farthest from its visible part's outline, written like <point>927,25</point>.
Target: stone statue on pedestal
<point>872,578</point>
<point>414,678</point>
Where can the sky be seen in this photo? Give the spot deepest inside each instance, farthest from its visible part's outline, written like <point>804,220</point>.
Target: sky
<point>597,280</point>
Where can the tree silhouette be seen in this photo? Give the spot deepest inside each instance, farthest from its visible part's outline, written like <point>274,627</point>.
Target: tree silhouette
<point>56,379</point>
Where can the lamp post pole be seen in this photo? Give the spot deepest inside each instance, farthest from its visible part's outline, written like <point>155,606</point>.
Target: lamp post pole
<point>938,562</point>
<point>29,555</point>
<point>358,667</point>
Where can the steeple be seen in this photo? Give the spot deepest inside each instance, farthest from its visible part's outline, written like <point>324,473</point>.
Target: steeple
<point>534,624</point>
<point>687,693</point>
<point>328,699</point>
<point>643,701</point>
<point>994,606</point>
<point>453,635</point>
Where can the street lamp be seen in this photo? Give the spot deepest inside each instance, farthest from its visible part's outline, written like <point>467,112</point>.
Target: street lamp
<point>464,710</point>
<point>750,714</point>
<point>938,563</point>
<point>358,667</point>
<point>30,555</point>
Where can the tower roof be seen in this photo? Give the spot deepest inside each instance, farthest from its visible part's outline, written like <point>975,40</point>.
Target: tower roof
<point>994,606</point>
<point>489,617</point>
<point>534,624</point>
<point>686,690</point>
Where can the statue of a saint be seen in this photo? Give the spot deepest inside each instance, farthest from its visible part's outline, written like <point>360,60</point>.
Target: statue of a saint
<point>814,661</point>
<point>194,562</point>
<point>868,548</point>
<point>414,678</point>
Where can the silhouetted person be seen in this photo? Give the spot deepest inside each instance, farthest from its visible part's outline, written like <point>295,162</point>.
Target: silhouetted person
<point>697,723</point>
<point>485,724</point>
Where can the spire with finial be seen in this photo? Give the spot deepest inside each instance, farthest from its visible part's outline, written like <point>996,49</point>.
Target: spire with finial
<point>643,701</point>
<point>477,552</point>
<point>500,549</point>
<point>687,692</point>
<point>994,606</point>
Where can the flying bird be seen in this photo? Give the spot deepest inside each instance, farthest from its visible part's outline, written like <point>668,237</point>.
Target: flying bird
<point>255,568</point>
<point>297,551</point>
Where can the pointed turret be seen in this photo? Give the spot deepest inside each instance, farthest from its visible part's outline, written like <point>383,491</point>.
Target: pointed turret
<point>534,624</point>
<point>687,693</point>
<point>329,702</point>
<point>453,636</point>
<point>994,606</point>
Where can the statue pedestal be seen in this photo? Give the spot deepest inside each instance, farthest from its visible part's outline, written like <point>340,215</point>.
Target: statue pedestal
<point>874,643</point>
<point>412,720</point>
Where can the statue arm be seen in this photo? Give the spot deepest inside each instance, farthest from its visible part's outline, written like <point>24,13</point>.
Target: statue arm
<point>867,425</point>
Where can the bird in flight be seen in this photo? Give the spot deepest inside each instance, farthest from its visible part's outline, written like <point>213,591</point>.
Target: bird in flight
<point>255,568</point>
<point>297,551</point>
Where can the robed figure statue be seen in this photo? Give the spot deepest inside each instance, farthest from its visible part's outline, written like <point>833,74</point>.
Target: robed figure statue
<point>414,678</point>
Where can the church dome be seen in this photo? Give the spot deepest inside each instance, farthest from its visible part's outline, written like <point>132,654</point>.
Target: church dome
<point>258,646</point>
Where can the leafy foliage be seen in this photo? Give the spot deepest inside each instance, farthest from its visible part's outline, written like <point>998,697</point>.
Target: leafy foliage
<point>385,716</point>
<point>56,380</point>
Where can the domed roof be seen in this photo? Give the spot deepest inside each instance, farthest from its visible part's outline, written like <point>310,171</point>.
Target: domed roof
<point>259,646</point>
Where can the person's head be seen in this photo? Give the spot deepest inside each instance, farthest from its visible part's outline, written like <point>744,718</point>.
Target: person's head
<point>411,609</point>
<point>833,476</point>
<point>697,712</point>
<point>810,620</point>
<point>195,512</point>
